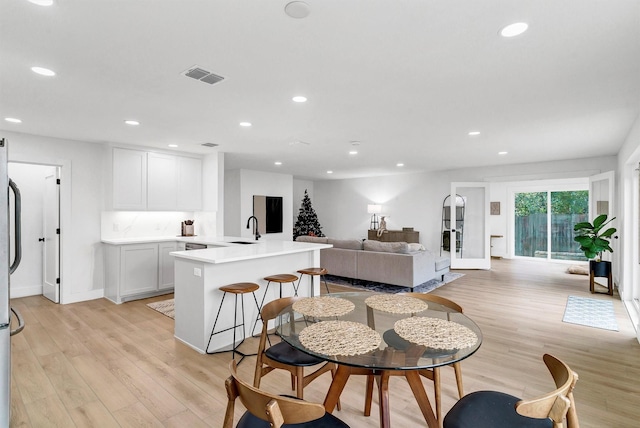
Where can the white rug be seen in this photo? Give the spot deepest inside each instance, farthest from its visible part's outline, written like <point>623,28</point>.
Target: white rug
<point>165,307</point>
<point>596,313</point>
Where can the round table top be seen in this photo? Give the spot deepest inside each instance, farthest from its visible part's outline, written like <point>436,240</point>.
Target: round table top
<point>379,331</point>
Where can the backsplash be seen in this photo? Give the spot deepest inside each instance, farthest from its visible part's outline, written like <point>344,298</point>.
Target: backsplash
<point>134,224</point>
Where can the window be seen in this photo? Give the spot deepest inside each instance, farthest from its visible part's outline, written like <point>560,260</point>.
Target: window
<point>544,223</point>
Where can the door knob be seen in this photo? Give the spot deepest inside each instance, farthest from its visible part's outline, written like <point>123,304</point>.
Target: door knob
<point>40,239</point>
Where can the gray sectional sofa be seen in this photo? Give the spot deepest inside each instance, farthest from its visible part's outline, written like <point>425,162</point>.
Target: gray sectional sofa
<point>395,263</point>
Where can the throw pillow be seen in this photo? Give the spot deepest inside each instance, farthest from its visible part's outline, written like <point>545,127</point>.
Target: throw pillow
<point>416,247</point>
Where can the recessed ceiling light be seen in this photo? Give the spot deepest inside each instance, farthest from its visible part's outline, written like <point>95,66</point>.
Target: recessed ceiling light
<point>173,145</point>
<point>513,30</point>
<point>353,152</point>
<point>43,71</point>
<point>329,172</point>
<point>399,164</point>
<point>13,120</point>
<point>299,99</point>
<point>277,163</point>
<point>297,9</point>
<point>474,133</point>
<point>245,124</point>
<point>132,122</point>
<point>502,153</point>
<point>42,2</point>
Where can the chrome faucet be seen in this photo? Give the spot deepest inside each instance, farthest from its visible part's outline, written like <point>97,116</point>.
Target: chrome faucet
<point>255,226</point>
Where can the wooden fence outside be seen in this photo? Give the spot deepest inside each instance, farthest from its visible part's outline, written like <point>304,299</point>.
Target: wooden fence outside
<point>531,236</point>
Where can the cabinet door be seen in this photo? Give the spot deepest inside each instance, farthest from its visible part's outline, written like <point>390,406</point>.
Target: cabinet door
<point>189,184</point>
<point>165,268</point>
<point>129,179</point>
<point>139,268</point>
<point>162,188</point>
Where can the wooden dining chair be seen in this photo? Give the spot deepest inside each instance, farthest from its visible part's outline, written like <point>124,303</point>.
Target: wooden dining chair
<point>284,356</point>
<point>432,374</point>
<point>265,410</point>
<point>485,409</point>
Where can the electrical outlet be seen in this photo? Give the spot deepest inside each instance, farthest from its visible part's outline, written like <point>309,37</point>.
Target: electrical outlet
<point>116,227</point>
<point>197,271</point>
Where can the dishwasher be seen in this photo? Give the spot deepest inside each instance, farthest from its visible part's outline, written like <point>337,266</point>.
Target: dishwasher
<point>193,246</point>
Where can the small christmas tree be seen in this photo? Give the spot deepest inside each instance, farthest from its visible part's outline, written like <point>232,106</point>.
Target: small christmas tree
<point>307,223</point>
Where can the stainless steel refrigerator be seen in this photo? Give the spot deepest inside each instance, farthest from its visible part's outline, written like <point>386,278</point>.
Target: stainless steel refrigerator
<point>7,267</point>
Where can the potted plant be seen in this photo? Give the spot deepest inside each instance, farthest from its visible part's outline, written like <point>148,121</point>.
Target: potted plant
<point>594,239</point>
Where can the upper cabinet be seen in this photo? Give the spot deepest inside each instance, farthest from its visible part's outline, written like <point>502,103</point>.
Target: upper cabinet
<point>129,179</point>
<point>155,181</point>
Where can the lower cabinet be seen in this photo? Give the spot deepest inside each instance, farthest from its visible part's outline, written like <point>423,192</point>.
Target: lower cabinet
<point>137,271</point>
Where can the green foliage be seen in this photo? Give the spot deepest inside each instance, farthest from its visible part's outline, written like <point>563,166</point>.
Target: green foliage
<point>569,202</point>
<point>591,237</point>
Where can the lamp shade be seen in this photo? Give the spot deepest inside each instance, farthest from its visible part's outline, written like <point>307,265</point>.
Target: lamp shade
<point>374,209</point>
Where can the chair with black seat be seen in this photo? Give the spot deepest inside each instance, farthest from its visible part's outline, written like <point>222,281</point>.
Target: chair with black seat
<point>284,356</point>
<point>489,409</point>
<point>392,339</point>
<point>266,410</point>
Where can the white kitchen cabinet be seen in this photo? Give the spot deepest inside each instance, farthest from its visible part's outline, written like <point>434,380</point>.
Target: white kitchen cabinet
<point>156,181</point>
<point>165,265</point>
<point>189,184</point>
<point>162,182</point>
<point>138,271</point>
<point>129,179</point>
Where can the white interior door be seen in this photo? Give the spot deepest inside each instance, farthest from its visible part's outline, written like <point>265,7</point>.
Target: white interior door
<point>470,237</point>
<point>601,191</point>
<point>51,249</point>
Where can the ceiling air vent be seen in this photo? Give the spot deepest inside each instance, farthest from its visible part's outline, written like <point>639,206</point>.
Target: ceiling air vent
<point>209,144</point>
<point>199,73</point>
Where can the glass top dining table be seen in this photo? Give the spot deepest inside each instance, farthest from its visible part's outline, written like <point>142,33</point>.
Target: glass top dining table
<point>379,334</point>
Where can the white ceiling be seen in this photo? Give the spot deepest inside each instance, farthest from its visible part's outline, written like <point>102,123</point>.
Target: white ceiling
<point>408,79</point>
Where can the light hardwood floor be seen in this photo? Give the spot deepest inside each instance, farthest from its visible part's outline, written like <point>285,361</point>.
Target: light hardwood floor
<point>97,364</point>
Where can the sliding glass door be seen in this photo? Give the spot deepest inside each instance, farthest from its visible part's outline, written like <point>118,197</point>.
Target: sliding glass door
<point>544,223</point>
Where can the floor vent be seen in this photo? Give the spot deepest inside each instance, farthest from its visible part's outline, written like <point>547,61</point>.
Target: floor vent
<point>199,73</point>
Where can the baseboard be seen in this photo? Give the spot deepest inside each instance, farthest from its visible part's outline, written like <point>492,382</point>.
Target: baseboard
<point>32,290</point>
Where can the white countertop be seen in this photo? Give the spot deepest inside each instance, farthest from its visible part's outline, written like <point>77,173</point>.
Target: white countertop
<point>209,240</point>
<point>238,252</point>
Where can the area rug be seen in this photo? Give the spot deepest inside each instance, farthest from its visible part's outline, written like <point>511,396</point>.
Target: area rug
<point>389,288</point>
<point>591,313</point>
<point>165,307</point>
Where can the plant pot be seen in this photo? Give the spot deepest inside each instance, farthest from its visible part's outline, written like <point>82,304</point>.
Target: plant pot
<point>600,268</point>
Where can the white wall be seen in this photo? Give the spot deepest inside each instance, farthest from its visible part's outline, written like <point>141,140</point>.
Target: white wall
<point>27,279</point>
<point>628,213</point>
<point>81,204</point>
<point>241,185</point>
<point>415,200</point>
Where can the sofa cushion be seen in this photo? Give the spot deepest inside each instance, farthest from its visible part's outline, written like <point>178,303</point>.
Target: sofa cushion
<point>386,247</point>
<point>312,239</point>
<point>347,244</point>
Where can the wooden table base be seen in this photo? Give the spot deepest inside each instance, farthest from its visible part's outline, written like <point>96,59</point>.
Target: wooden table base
<point>382,379</point>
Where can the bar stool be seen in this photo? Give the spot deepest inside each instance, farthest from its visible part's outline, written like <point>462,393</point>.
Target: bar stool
<point>313,271</point>
<point>237,289</point>
<point>281,278</point>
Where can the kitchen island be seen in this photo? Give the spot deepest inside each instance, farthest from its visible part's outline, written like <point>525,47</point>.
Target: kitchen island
<point>200,273</point>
